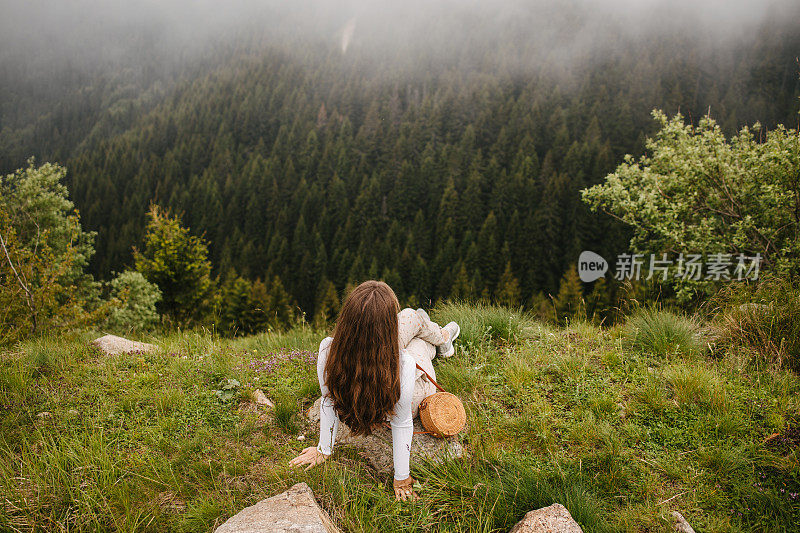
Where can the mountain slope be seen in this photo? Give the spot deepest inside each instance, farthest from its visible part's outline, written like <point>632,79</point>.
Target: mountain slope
<point>435,174</point>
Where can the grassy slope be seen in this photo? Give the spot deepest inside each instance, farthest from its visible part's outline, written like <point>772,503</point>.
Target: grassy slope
<point>621,437</point>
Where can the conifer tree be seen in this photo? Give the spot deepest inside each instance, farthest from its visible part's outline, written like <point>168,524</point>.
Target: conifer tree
<point>279,310</point>
<point>327,306</point>
<point>569,302</point>
<point>600,302</point>
<point>508,292</point>
<point>348,288</point>
<point>235,306</point>
<point>257,314</point>
<point>177,262</point>
<point>462,285</point>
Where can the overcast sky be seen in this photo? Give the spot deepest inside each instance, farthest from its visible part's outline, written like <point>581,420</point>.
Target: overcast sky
<point>85,30</point>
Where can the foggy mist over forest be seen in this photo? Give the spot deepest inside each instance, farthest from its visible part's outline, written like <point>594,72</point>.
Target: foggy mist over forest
<point>46,47</point>
<point>263,121</point>
<point>515,33</point>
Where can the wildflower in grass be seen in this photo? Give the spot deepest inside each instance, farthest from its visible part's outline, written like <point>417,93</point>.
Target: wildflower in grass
<point>274,360</point>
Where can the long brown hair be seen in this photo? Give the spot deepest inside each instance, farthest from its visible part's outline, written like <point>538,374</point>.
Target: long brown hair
<point>363,365</point>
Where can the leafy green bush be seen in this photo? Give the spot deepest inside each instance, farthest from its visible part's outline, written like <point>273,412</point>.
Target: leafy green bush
<point>699,193</point>
<point>661,332</point>
<point>135,301</point>
<point>43,254</point>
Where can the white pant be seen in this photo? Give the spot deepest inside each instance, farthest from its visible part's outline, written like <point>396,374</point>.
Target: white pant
<point>420,337</point>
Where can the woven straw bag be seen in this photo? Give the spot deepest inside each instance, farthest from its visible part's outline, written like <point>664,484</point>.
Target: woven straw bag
<point>442,413</point>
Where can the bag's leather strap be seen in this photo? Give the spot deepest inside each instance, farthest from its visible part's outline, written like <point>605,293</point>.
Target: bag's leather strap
<point>431,379</point>
<point>387,426</point>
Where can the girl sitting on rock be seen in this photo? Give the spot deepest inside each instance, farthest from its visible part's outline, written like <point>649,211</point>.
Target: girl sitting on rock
<point>367,374</point>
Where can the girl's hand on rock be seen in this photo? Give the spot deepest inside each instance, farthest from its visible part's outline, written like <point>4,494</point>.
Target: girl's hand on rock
<point>309,456</point>
<point>403,489</point>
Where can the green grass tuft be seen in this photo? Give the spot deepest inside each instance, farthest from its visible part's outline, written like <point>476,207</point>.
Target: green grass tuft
<point>481,323</point>
<point>696,385</point>
<point>661,332</point>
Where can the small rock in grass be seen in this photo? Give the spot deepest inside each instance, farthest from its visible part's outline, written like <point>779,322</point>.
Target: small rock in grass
<point>301,437</point>
<point>681,525</point>
<point>113,345</point>
<point>45,414</point>
<point>552,519</point>
<point>261,399</point>
<point>295,510</point>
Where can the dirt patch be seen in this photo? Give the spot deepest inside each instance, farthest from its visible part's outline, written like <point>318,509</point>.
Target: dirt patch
<point>785,441</point>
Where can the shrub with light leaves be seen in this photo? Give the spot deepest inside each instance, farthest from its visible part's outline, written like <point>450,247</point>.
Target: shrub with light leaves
<point>694,192</point>
<point>134,302</point>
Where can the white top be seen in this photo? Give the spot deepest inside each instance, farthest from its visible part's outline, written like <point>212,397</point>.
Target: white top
<point>402,426</point>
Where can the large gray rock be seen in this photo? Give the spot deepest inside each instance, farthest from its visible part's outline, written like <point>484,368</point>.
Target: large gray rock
<point>112,345</point>
<point>552,519</point>
<point>294,511</point>
<point>377,448</point>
